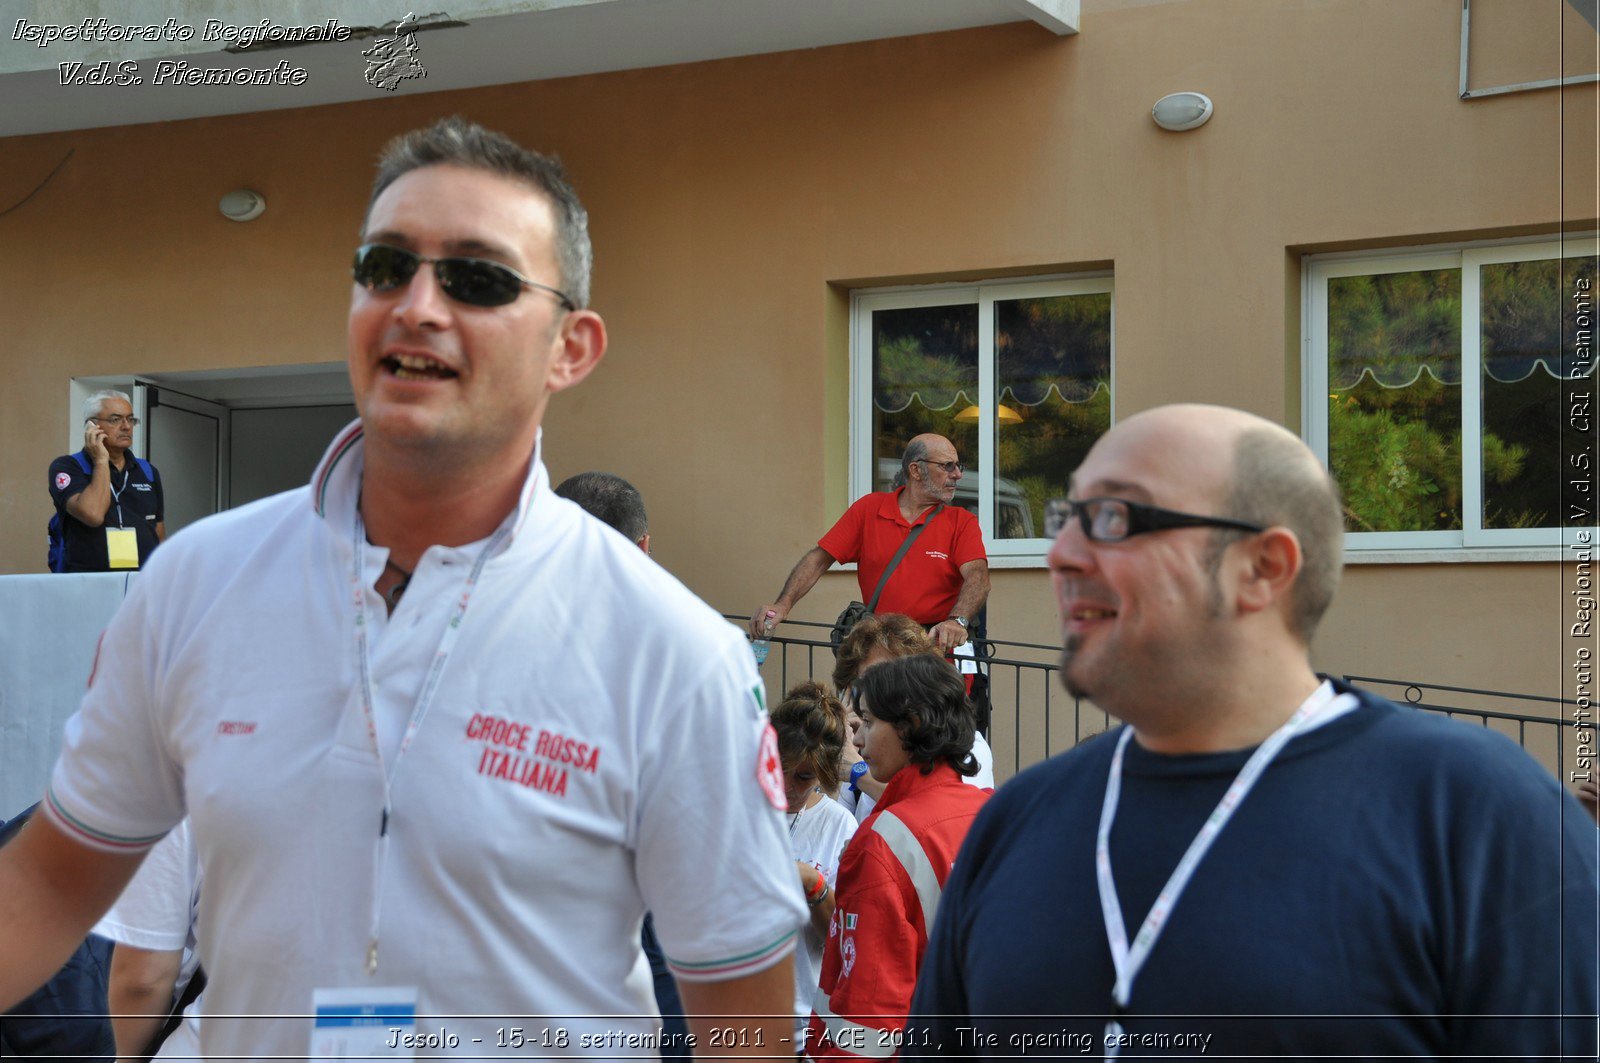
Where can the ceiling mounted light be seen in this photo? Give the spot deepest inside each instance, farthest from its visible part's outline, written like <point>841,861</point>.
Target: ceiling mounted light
<point>242,205</point>
<point>1182,110</point>
<point>1006,414</point>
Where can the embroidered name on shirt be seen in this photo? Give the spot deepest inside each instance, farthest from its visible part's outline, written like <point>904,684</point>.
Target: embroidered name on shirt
<point>940,554</point>
<point>236,727</point>
<point>514,762</point>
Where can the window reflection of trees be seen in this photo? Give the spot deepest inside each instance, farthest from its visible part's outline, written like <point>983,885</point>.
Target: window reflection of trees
<point>1524,364</point>
<point>1052,388</point>
<point>1394,403</point>
<point>1394,408</point>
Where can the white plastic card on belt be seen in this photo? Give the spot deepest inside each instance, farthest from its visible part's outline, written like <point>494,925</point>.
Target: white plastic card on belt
<point>377,1022</point>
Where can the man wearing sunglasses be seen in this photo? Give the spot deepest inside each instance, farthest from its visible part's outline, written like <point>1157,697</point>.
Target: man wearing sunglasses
<point>941,582</point>
<point>434,727</point>
<point>1261,863</point>
<point>110,510</point>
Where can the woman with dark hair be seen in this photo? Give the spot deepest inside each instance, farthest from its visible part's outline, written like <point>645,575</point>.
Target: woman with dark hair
<point>916,737</point>
<point>871,642</point>
<point>811,729</point>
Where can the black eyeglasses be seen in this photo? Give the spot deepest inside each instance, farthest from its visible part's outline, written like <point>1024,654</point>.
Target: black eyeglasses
<point>117,420</point>
<point>474,281</point>
<point>950,467</point>
<point>1111,520</point>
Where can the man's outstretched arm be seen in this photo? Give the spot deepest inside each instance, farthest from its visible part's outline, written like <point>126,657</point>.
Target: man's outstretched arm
<point>805,575</point>
<point>52,890</point>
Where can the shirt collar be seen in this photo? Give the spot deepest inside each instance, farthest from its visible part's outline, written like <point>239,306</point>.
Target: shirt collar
<point>909,780</point>
<point>336,484</point>
<point>889,509</point>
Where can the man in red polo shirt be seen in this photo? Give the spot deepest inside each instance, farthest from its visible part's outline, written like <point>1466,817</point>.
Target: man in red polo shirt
<point>943,579</point>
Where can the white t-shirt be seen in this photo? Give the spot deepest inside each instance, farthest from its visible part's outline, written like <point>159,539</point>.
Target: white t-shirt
<point>537,813</point>
<point>817,836</point>
<point>157,912</point>
<point>984,780</point>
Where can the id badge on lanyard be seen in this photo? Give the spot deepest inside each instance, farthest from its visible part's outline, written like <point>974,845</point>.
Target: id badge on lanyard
<point>122,548</point>
<point>122,544</point>
<point>378,1022</point>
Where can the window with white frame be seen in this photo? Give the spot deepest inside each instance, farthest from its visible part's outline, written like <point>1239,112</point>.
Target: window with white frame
<point>1018,375</point>
<point>1441,388</point>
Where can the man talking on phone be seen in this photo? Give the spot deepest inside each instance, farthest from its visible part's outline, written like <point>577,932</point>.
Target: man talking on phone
<point>109,505</point>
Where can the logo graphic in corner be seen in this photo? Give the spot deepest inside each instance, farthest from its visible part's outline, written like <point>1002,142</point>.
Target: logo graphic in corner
<point>769,769</point>
<point>63,479</point>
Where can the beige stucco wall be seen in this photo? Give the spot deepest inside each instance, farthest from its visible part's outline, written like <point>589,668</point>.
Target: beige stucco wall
<point>734,202</point>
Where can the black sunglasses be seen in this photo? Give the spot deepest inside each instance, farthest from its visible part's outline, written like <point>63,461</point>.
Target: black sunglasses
<point>474,281</point>
<point>1111,520</point>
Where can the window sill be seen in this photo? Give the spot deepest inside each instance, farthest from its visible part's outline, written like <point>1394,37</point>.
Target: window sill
<point>1452,555</point>
<point>995,561</point>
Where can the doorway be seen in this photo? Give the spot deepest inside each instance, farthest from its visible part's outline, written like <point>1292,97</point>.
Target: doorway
<point>222,438</point>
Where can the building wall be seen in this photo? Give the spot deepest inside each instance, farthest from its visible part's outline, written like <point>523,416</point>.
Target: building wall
<point>735,203</point>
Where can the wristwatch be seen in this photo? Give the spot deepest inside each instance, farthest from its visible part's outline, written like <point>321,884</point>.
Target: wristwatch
<point>858,769</point>
<point>958,619</point>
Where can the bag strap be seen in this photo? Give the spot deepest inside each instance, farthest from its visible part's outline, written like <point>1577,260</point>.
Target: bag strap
<point>894,562</point>
<point>144,466</point>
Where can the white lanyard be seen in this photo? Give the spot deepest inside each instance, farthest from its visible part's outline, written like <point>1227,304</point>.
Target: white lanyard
<point>430,686</point>
<point>1129,961</point>
<point>116,493</point>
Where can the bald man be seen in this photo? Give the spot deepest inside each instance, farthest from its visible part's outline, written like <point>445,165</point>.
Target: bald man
<point>943,579</point>
<point>1259,862</point>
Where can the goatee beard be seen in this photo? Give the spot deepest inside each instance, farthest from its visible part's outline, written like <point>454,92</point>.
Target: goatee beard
<point>1069,649</point>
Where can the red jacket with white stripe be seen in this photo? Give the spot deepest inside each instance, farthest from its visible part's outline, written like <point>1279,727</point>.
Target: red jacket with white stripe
<point>890,878</point>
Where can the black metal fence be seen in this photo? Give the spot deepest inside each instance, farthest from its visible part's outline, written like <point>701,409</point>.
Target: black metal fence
<point>1033,717</point>
<point>1546,731</point>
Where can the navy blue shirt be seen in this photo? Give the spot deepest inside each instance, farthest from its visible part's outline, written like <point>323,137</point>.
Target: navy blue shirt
<point>137,503</point>
<point>1392,879</point>
<point>64,1019</point>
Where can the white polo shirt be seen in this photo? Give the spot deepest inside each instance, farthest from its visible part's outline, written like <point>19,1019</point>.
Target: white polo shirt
<point>553,791</point>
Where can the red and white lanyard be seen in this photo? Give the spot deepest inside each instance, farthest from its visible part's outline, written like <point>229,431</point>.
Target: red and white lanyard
<point>430,686</point>
<point>1318,708</point>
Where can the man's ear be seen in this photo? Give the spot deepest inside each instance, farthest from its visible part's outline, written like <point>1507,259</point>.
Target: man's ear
<point>579,347</point>
<point>1271,562</point>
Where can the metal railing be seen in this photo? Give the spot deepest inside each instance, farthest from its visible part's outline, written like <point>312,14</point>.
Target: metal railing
<point>1032,717</point>
<point>1544,736</point>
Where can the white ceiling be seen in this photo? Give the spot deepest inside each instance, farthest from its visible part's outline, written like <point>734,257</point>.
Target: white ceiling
<point>475,43</point>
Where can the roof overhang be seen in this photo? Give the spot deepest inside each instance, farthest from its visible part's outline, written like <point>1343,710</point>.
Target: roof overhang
<point>50,85</point>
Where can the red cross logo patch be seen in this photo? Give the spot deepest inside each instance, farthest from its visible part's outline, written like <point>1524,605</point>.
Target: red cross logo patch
<point>769,769</point>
